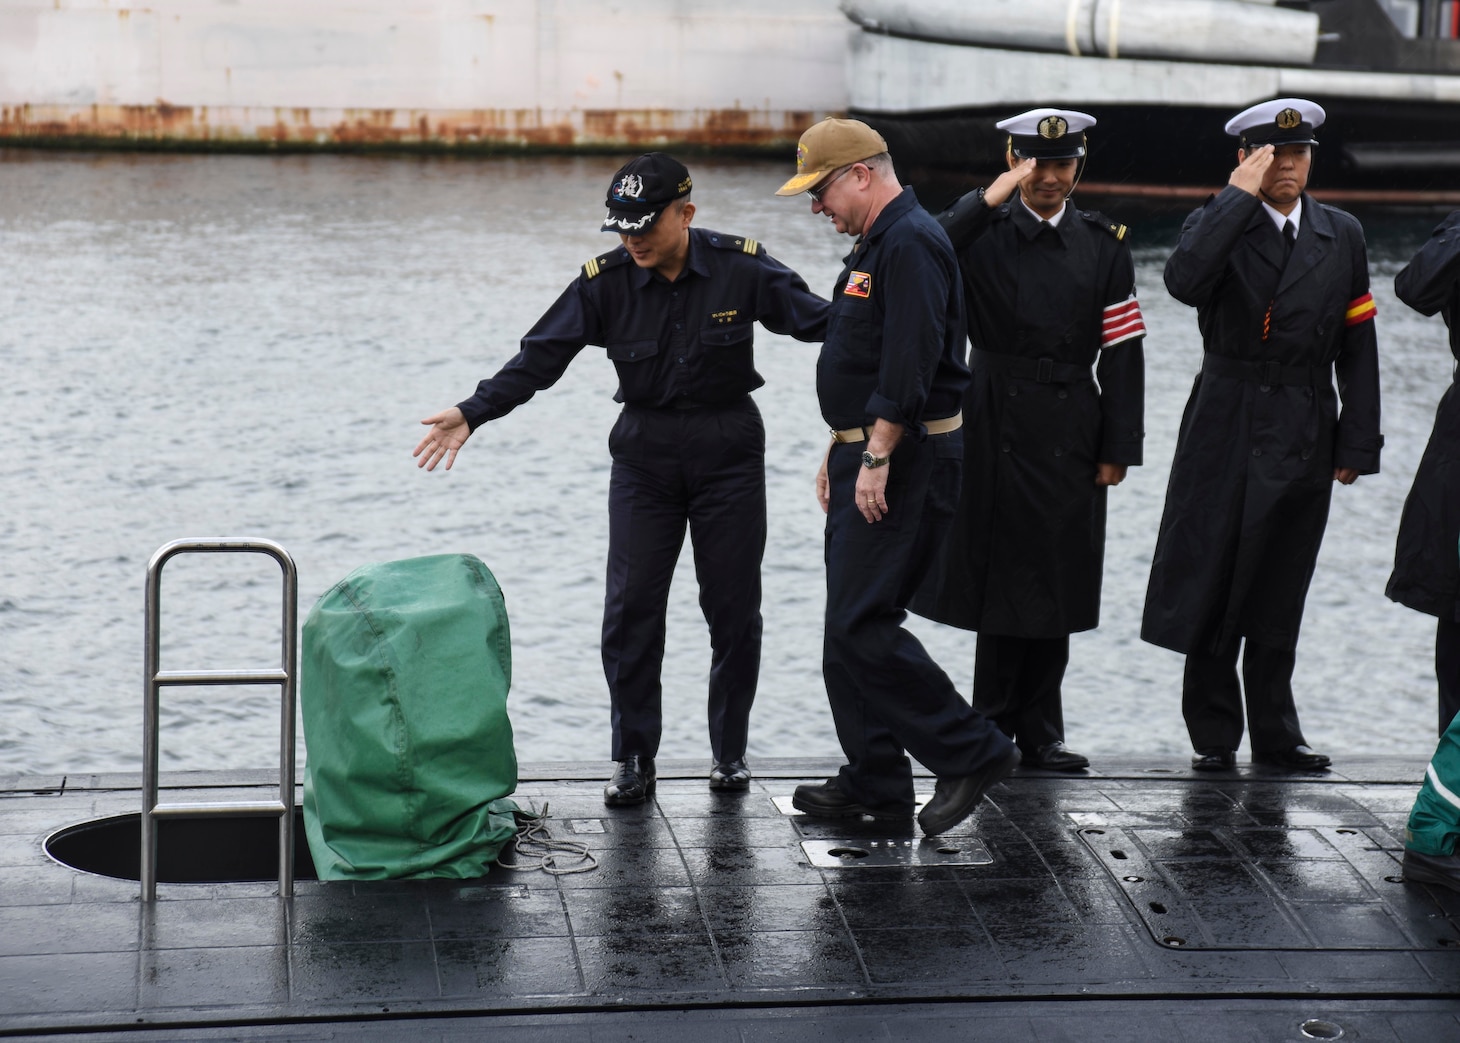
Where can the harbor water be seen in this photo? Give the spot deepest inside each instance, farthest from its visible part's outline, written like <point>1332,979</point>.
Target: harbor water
<point>197,346</point>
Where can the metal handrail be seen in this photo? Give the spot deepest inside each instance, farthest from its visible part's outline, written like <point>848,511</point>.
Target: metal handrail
<point>156,679</point>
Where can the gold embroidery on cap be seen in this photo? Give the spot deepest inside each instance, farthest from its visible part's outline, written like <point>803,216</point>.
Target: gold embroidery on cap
<point>1289,118</point>
<point>1053,127</point>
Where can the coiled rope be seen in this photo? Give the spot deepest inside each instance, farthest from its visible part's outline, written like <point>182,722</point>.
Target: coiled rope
<point>536,849</point>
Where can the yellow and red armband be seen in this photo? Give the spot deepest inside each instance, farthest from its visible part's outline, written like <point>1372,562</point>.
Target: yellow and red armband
<point>1360,309</point>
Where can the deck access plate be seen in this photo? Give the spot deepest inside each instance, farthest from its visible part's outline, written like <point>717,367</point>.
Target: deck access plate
<point>1321,887</point>
<point>928,851</point>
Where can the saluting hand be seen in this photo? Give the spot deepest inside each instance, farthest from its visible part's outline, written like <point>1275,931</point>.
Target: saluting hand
<point>449,432</point>
<point>1007,183</point>
<point>1248,175</point>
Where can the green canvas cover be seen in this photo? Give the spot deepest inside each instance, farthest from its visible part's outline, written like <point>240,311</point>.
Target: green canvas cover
<point>404,674</point>
<point>1434,821</point>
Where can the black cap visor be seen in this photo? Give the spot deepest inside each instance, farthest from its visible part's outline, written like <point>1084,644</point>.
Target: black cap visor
<point>1256,137</point>
<point>1032,146</point>
<point>632,222</point>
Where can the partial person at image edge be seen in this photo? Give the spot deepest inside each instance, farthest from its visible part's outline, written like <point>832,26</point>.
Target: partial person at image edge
<point>1426,574</point>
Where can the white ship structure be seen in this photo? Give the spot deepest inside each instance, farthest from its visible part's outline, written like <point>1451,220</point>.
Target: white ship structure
<point>1163,76</point>
<point>449,75</point>
<point>510,75</point>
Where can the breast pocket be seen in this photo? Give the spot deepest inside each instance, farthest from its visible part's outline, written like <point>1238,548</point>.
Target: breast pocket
<point>632,350</point>
<point>726,359</point>
<point>738,334</point>
<point>853,325</point>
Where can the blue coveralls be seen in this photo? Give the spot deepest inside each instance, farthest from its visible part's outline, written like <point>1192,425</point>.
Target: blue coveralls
<point>689,447</point>
<point>894,349</point>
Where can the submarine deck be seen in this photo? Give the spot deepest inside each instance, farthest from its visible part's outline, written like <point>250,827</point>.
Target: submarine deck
<point>1139,901</point>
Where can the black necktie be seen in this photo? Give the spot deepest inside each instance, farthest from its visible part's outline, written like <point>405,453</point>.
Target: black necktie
<point>1290,236</point>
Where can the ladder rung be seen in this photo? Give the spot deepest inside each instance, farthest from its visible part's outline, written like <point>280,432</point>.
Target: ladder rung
<point>285,676</point>
<point>220,809</point>
<point>183,677</point>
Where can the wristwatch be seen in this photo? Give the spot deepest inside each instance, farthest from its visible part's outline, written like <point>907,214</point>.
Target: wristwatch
<point>871,462</point>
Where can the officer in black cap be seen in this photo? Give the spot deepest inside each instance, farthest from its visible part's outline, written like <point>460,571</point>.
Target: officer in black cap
<point>674,308</point>
<point>1281,287</point>
<point>1051,307</point>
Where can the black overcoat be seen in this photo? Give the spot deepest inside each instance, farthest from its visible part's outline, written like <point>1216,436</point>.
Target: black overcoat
<point>1426,560</point>
<point>1262,434</point>
<point>1025,553</point>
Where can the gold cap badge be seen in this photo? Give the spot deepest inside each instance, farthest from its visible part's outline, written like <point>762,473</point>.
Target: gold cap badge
<point>1289,118</point>
<point>1052,127</point>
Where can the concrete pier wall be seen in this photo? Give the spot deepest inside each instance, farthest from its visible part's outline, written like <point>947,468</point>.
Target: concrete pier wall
<point>457,74</point>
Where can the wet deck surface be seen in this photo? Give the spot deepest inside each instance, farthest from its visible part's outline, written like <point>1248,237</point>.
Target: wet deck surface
<point>1130,903</point>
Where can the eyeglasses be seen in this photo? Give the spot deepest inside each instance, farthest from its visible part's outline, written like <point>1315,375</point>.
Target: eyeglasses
<point>817,193</point>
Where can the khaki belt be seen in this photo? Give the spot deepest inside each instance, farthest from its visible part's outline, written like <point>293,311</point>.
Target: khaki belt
<point>935,427</point>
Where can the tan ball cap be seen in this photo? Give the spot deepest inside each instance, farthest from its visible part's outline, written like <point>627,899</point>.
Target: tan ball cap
<point>830,144</point>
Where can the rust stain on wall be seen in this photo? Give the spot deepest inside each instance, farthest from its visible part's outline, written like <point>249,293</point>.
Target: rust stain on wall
<point>168,125</point>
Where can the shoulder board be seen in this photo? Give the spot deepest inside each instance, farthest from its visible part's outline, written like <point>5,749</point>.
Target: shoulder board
<point>1115,228</point>
<point>596,265</point>
<point>738,243</point>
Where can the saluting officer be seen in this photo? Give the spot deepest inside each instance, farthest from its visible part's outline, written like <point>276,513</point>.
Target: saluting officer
<point>674,308</point>
<point>1281,287</point>
<point>1426,573</point>
<point>1051,293</point>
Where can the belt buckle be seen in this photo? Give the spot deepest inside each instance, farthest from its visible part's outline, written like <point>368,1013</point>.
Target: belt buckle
<point>1045,373</point>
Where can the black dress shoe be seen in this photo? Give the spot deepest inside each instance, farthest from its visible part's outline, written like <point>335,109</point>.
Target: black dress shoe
<point>632,782</point>
<point>1440,870</point>
<point>826,800</point>
<point>955,798</point>
<point>1298,757</point>
<point>1055,757</point>
<point>730,775</point>
<point>1213,759</point>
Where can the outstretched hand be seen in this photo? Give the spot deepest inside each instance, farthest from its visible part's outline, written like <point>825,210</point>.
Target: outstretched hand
<point>449,432</point>
<point>1249,173</point>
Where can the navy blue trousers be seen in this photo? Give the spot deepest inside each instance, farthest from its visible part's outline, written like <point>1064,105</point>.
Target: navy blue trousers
<point>888,698</point>
<point>704,469</point>
<point>1016,682</point>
